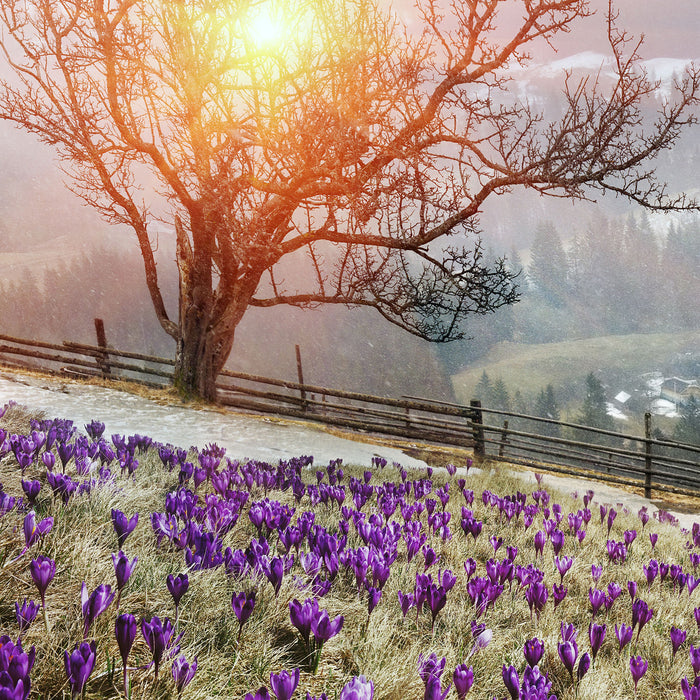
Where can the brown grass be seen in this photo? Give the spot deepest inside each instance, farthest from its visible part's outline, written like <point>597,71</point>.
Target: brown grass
<point>386,649</point>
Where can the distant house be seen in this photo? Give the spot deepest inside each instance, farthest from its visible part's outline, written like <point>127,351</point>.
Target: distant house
<point>622,398</point>
<point>679,390</point>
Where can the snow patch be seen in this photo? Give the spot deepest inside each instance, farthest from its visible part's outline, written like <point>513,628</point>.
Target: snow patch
<point>243,436</point>
<point>615,412</point>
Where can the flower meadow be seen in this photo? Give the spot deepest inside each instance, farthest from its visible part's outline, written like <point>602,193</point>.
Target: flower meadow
<point>134,569</point>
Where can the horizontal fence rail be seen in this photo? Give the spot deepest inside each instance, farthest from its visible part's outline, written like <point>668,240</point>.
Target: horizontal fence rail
<point>540,443</point>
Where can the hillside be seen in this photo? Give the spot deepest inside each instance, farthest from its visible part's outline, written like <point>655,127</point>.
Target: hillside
<point>565,365</point>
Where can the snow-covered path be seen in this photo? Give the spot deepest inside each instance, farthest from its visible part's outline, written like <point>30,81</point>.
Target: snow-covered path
<point>243,436</point>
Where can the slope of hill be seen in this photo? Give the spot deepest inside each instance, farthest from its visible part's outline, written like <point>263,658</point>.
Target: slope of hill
<point>565,365</point>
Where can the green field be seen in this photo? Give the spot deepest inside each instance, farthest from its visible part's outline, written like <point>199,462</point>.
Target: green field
<point>565,365</point>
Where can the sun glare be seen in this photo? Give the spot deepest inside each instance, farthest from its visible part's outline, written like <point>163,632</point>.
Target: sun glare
<point>266,26</point>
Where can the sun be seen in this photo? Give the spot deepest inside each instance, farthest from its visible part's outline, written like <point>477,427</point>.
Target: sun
<point>266,26</point>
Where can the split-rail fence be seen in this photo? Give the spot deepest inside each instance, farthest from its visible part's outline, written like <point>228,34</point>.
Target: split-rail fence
<point>643,461</point>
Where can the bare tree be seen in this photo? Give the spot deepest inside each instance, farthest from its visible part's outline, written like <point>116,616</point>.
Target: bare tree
<point>354,148</point>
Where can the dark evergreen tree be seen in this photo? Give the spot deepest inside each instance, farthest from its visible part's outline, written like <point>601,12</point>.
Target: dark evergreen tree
<point>514,263</point>
<point>520,404</point>
<point>484,390</point>
<point>500,398</point>
<point>594,413</point>
<point>637,304</point>
<point>548,265</point>
<point>687,429</point>
<point>680,271</point>
<point>546,407</point>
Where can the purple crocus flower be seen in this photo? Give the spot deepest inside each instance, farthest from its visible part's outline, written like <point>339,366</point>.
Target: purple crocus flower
<point>632,589</point>
<point>358,688</point>
<point>583,665</point>
<point>25,614</point>
<point>463,679</point>
<point>261,694</point>
<point>596,571</point>
<point>624,635</point>
<point>430,666</point>
<point>324,628</point>
<point>558,593</point>
<point>406,602</point>
<point>158,637</point>
<point>34,530</point>
<point>612,514</point>
<point>95,604</point>
<point>301,614</point>
<point>469,567</point>
<point>177,586</point>
<point>284,684</point>
<point>643,515</point>
<point>511,681</point>
<point>563,565</point>
<point>533,651</point>
<point>125,632</point>
<point>691,692</point>
<point>597,599</point>
<point>638,667</point>
<point>557,540</point>
<point>373,597</point>
<point>433,689</point>
<point>123,569</point>
<point>536,596</point>
<point>49,460</point>
<point>95,429</point>
<point>79,664</point>
<point>243,604</point>
<point>429,557</point>
<point>568,632</point>
<point>31,490</point>
<point>653,537</point>
<point>641,614</point>
<point>183,673</point>
<point>695,659</point>
<point>651,571</point>
<point>436,599</point>
<point>15,667</point>
<point>123,526</point>
<point>568,653</point>
<point>274,572</point>
<point>42,570</point>
<point>678,637</point>
<point>540,540</point>
<point>596,635</point>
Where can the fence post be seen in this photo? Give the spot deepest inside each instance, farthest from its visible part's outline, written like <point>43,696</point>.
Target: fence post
<point>504,439</point>
<point>647,455</point>
<point>300,375</point>
<point>103,358</point>
<point>477,429</point>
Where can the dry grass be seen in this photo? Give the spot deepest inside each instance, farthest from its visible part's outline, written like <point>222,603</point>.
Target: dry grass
<point>385,649</point>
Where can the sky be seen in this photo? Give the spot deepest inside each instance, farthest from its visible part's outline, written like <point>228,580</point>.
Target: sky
<point>671,29</point>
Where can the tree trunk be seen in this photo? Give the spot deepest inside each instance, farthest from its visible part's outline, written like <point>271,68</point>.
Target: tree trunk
<point>198,354</point>
<point>199,359</point>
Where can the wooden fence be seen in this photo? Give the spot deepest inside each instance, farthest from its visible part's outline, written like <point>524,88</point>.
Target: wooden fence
<point>651,464</point>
